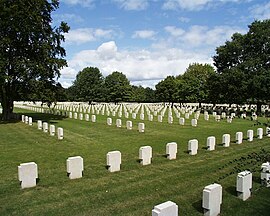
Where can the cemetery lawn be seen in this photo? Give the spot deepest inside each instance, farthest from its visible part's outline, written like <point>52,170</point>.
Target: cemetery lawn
<point>136,189</point>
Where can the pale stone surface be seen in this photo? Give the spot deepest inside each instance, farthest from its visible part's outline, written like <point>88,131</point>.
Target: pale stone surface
<point>30,121</point>
<point>217,118</point>
<point>250,135</point>
<point>160,118</point>
<point>260,133</point>
<point>239,137</point>
<point>52,130</point>
<point>114,161</point>
<point>168,208</point>
<point>22,118</point>
<point>211,143</point>
<point>229,119</point>
<point>223,115</point>
<point>28,173</point>
<point>226,139</point>
<point>187,115</point>
<point>212,199</point>
<point>267,131</point>
<point>39,123</point>
<point>145,155</point>
<point>141,127</point>
<point>26,119</point>
<point>60,133</point>
<point>182,121</point>
<point>75,167</point>
<point>171,150</point>
<point>45,127</point>
<point>70,114</point>
<point>93,118</point>
<point>109,121</point>
<point>150,117</point>
<point>170,119</point>
<point>206,117</point>
<point>81,116</point>
<point>193,146</point>
<point>265,174</point>
<point>118,123</point>
<point>134,115</point>
<point>86,117</point>
<point>244,185</point>
<point>75,116</point>
<point>129,125</point>
<point>142,116</point>
<point>194,122</point>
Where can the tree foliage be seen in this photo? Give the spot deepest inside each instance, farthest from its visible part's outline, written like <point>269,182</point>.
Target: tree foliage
<point>30,49</point>
<point>88,85</point>
<point>244,65</point>
<point>117,87</point>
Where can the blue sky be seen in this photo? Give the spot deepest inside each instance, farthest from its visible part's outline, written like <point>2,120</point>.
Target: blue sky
<point>148,40</point>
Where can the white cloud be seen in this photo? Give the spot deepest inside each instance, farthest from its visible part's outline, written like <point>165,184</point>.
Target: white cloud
<point>132,4</point>
<point>83,35</point>
<point>83,3</point>
<point>139,66</point>
<point>67,17</point>
<point>144,34</point>
<point>174,31</point>
<point>195,5</point>
<point>184,19</point>
<point>261,11</point>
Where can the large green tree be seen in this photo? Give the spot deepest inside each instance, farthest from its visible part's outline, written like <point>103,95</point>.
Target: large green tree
<point>192,85</point>
<point>30,48</point>
<point>166,90</point>
<point>88,85</point>
<point>117,87</point>
<point>247,57</point>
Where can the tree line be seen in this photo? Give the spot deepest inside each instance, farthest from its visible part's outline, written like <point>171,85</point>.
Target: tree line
<point>31,57</point>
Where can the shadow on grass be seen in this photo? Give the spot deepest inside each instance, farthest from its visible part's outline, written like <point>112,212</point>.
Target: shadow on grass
<point>256,179</point>
<point>231,190</point>
<point>198,206</point>
<point>35,116</point>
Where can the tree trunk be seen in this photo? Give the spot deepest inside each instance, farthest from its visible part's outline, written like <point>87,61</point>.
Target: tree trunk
<point>259,107</point>
<point>7,104</point>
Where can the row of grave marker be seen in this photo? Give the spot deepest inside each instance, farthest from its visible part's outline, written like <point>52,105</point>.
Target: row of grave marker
<point>44,126</point>
<point>212,194</point>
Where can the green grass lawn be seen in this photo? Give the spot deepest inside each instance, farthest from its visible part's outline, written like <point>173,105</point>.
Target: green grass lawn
<point>136,189</point>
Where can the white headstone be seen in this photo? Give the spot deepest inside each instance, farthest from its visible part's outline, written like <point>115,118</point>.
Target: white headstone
<point>211,143</point>
<point>244,185</point>
<point>168,208</point>
<point>145,155</point>
<point>60,133</point>
<point>265,174</point>
<point>86,117</point>
<point>30,121</point>
<point>109,121</point>
<point>142,116</point>
<point>22,118</point>
<point>160,118</point>
<point>239,137</point>
<point>193,146</point>
<point>93,118</point>
<point>28,173</point>
<point>217,118</point>
<point>45,127</point>
<point>75,115</point>
<point>212,199</point>
<point>118,123</point>
<point>75,167</point>
<point>206,117</point>
<point>26,119</point>
<point>194,122</point>
<point>187,115</point>
<point>260,133</point>
<point>52,130</point>
<point>39,123</point>
<point>226,139</point>
<point>114,161</point>
<point>134,115</point>
<point>70,114</point>
<point>129,125</point>
<point>141,127</point>
<point>181,121</point>
<point>171,150</point>
<point>81,116</point>
<point>250,135</point>
<point>170,119</point>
